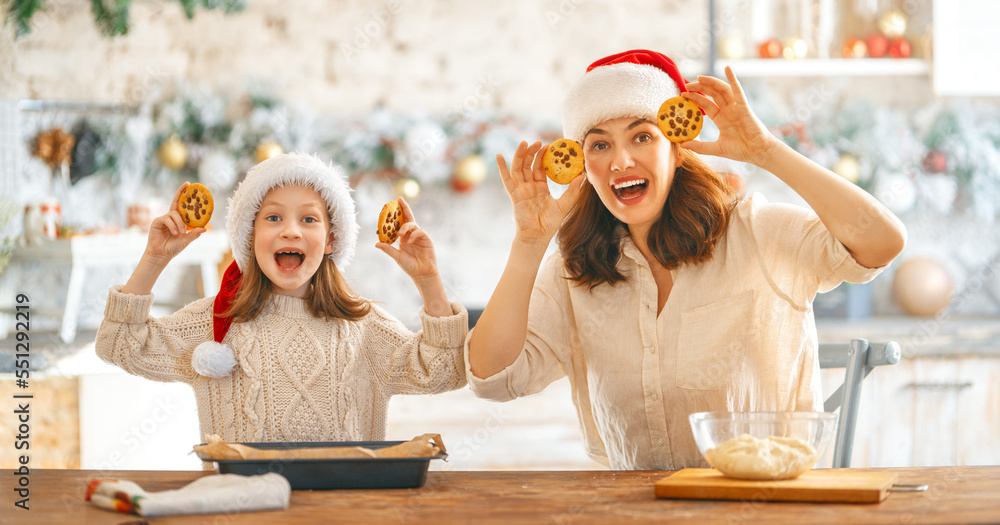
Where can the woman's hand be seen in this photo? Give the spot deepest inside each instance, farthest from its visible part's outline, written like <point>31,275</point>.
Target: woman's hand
<point>537,215</point>
<point>869,231</point>
<point>742,136</point>
<point>168,234</point>
<point>503,326</point>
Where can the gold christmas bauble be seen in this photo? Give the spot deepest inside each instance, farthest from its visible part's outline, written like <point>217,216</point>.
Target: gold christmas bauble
<point>173,153</point>
<point>922,286</point>
<point>407,188</point>
<point>892,23</point>
<point>470,172</point>
<point>731,47</point>
<point>847,167</point>
<point>266,150</point>
<point>795,48</point>
<point>855,48</point>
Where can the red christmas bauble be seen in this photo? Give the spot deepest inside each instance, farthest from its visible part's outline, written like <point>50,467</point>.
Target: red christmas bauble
<point>935,162</point>
<point>460,186</point>
<point>770,49</point>
<point>878,45</point>
<point>899,47</point>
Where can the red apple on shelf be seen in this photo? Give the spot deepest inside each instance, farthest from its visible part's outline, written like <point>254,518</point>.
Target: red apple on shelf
<point>770,49</point>
<point>899,47</point>
<point>878,45</point>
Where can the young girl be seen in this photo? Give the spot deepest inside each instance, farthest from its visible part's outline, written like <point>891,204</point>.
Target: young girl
<point>671,293</point>
<point>296,356</point>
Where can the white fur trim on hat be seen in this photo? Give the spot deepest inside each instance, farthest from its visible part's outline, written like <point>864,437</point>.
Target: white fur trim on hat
<point>613,91</point>
<point>212,359</point>
<point>286,169</point>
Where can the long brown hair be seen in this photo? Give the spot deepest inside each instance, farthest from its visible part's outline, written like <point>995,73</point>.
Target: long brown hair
<point>693,220</point>
<point>329,297</point>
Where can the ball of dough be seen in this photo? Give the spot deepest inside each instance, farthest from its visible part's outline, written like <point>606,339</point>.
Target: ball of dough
<point>773,458</point>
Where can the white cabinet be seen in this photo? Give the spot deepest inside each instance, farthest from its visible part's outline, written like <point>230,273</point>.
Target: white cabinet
<point>814,67</point>
<point>939,406</point>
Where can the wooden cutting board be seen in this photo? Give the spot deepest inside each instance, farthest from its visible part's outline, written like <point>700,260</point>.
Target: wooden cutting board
<point>833,485</point>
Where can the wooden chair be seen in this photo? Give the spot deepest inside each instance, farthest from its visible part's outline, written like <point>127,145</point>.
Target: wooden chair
<point>859,358</point>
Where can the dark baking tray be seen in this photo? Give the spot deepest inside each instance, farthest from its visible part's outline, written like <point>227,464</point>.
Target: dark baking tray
<point>326,474</point>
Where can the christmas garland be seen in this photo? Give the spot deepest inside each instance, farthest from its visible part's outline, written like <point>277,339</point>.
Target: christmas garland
<point>201,135</point>
<point>110,16</point>
<point>943,159</point>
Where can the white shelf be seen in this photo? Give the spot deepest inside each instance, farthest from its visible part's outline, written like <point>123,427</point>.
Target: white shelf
<point>814,67</point>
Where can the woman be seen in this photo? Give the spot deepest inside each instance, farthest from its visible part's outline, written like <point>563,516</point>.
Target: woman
<point>671,293</point>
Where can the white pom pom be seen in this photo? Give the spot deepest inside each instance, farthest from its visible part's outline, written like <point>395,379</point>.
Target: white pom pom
<point>212,359</point>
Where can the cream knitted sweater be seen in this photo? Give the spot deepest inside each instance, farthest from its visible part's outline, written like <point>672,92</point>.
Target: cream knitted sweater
<point>298,378</point>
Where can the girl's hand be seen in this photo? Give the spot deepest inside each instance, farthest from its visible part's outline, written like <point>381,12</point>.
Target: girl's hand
<point>415,254</point>
<point>168,234</point>
<point>742,136</point>
<point>537,215</point>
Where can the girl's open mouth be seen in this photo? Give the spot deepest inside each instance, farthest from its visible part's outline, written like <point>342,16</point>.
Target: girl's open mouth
<point>629,190</point>
<point>289,260</point>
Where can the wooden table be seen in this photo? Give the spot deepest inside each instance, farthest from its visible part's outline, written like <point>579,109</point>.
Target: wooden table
<point>956,495</point>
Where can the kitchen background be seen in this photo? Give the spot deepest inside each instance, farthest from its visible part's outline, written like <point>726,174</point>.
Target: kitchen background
<point>104,113</point>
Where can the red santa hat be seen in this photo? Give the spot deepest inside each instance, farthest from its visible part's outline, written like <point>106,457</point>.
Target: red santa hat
<point>213,358</point>
<point>630,84</point>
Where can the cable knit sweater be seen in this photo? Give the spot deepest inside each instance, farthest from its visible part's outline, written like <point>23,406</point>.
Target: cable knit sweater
<point>298,378</point>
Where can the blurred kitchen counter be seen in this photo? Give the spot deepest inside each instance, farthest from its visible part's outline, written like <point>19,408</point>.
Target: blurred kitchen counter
<point>942,336</point>
<point>936,407</point>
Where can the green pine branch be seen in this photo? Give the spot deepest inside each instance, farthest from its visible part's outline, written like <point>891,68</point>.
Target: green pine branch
<point>110,16</point>
<point>20,12</point>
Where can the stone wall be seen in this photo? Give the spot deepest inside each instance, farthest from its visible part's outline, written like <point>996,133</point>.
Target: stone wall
<point>343,55</point>
<point>517,57</point>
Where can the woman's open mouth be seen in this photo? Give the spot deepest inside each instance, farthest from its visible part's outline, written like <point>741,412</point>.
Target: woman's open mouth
<point>631,189</point>
<point>289,260</point>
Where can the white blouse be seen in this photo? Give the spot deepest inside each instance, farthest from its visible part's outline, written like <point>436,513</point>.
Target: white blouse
<point>737,333</point>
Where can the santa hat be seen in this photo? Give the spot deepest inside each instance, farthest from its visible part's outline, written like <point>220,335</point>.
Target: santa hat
<point>630,84</point>
<point>212,358</point>
<point>291,169</point>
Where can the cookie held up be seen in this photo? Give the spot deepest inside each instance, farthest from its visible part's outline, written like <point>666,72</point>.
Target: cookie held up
<point>679,119</point>
<point>389,221</point>
<point>563,161</point>
<point>196,205</point>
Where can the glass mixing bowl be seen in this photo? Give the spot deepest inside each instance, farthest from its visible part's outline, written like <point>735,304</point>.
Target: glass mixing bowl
<point>763,445</point>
